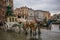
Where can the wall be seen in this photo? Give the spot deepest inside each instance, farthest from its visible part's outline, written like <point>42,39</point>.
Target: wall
<point>39,15</point>
<point>55,28</point>
<point>30,14</point>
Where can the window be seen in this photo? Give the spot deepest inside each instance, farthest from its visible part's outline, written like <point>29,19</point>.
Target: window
<point>19,16</point>
<point>16,19</point>
<point>12,19</point>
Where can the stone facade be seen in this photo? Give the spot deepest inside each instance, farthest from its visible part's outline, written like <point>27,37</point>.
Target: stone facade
<point>30,14</point>
<point>24,12</point>
<point>41,15</point>
<point>21,12</point>
<point>47,15</point>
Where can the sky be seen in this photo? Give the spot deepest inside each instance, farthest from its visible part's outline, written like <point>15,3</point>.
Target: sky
<point>53,6</point>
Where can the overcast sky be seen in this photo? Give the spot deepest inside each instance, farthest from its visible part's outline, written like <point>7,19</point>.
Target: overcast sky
<point>48,5</point>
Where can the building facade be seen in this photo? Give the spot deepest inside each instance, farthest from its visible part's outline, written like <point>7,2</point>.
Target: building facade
<point>56,17</point>
<point>3,8</point>
<point>47,15</point>
<point>41,15</point>
<point>24,12</point>
<point>30,14</point>
<point>21,12</point>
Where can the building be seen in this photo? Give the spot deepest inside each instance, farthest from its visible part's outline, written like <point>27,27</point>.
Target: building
<point>47,15</point>
<point>21,12</point>
<point>56,17</point>
<point>30,14</point>
<point>41,15</point>
<point>3,8</point>
<point>24,12</point>
<point>16,12</point>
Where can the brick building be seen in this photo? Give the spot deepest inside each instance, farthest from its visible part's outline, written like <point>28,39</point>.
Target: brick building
<point>3,8</point>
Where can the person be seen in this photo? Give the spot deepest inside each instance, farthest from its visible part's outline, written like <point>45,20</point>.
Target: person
<point>30,32</point>
<point>39,32</point>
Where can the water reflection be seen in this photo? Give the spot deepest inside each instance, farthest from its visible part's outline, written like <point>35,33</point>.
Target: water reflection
<point>13,36</point>
<point>45,35</point>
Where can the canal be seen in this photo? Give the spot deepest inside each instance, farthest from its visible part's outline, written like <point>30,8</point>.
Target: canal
<point>45,35</point>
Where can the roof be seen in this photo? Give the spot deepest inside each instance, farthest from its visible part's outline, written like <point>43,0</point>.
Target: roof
<point>41,10</point>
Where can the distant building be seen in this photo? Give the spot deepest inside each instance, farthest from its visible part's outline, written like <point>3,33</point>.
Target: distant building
<point>41,15</point>
<point>24,12</point>
<point>16,12</point>
<point>30,14</point>
<point>3,8</point>
<point>21,12</point>
<point>47,15</point>
<point>56,17</point>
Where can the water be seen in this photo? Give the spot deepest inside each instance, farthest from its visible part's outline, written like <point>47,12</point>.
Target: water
<point>11,36</point>
<point>45,35</point>
<point>49,35</point>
